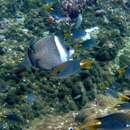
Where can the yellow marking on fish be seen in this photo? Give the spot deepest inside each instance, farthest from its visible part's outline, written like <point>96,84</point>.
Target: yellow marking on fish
<point>91,125</point>
<point>124,98</point>
<point>86,64</point>
<point>58,69</point>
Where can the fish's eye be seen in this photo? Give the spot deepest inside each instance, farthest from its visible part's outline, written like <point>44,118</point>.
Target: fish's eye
<point>70,128</point>
<point>58,72</point>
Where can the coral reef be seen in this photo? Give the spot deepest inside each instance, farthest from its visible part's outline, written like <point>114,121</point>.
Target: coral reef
<point>34,94</point>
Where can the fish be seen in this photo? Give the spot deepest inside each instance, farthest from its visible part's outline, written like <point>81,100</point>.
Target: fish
<point>123,106</point>
<point>44,55</point>
<point>89,44</point>
<point>114,121</point>
<point>72,67</point>
<point>81,36</point>
<point>87,64</point>
<point>48,53</point>
<point>112,91</point>
<point>56,12</point>
<point>79,20</point>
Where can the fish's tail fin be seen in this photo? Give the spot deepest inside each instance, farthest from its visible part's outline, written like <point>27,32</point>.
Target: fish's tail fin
<point>124,98</point>
<point>87,64</point>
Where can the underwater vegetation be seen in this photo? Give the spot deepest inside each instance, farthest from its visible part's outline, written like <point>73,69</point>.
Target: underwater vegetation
<point>58,56</point>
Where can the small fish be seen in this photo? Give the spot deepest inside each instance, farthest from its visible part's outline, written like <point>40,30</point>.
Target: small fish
<point>71,67</point>
<point>57,14</point>
<point>81,36</point>
<point>48,53</point>
<point>115,121</point>
<point>125,98</point>
<point>119,96</point>
<point>112,91</point>
<point>79,20</point>
<point>123,106</point>
<point>86,64</point>
<point>89,44</point>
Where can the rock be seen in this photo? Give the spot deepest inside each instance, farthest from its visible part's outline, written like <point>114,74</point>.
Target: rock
<point>106,54</point>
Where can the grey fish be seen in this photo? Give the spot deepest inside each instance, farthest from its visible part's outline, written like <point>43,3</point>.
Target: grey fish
<point>48,53</point>
<point>45,54</point>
